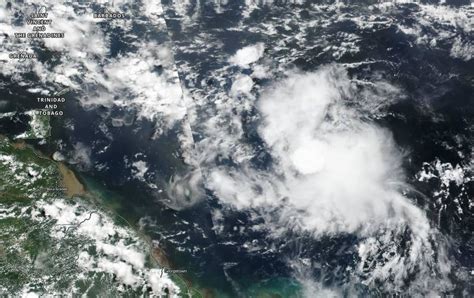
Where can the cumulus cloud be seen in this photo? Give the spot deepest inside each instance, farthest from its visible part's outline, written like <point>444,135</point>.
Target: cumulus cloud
<point>342,171</point>
<point>127,254</point>
<point>138,79</point>
<point>139,169</point>
<point>121,270</point>
<point>241,85</point>
<point>462,50</point>
<point>141,78</point>
<point>184,190</point>
<point>333,173</point>
<point>81,155</point>
<point>323,165</point>
<point>337,168</point>
<point>248,55</point>
<point>117,249</point>
<point>152,94</point>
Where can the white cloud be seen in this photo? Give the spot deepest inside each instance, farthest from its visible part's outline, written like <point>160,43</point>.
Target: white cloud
<point>184,190</point>
<point>242,85</point>
<point>310,156</point>
<point>119,251</point>
<point>333,173</point>
<point>130,79</point>
<point>122,270</point>
<point>261,72</point>
<point>247,55</point>
<point>130,255</point>
<point>81,155</point>
<point>159,283</point>
<point>153,10</point>
<point>462,50</point>
<point>139,169</point>
<point>156,96</point>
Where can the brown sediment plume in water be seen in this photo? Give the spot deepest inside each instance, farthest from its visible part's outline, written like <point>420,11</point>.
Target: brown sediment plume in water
<point>160,256</point>
<point>70,182</point>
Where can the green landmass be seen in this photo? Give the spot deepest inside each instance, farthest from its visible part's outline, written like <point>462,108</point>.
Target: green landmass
<point>52,243</point>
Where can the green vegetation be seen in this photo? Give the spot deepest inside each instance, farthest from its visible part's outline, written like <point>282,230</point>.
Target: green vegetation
<point>25,175</point>
<point>53,244</point>
<point>39,126</point>
<point>24,242</point>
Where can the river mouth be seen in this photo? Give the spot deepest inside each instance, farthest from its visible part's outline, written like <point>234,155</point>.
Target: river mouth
<point>70,181</point>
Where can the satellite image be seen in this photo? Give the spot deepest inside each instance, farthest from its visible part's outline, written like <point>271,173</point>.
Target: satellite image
<point>236,148</point>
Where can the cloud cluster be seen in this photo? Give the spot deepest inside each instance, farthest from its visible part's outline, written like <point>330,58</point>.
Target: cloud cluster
<point>118,251</point>
<point>247,55</point>
<point>141,77</point>
<point>333,173</point>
